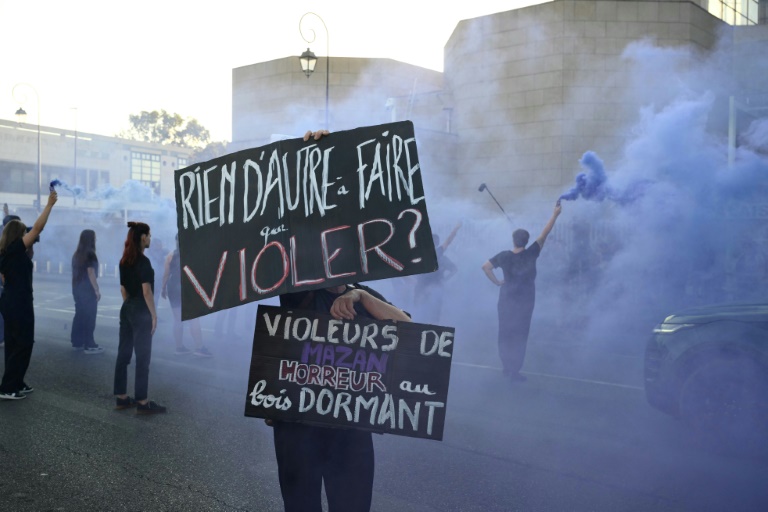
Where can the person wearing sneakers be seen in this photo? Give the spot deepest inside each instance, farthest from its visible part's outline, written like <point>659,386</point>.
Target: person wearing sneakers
<point>171,290</point>
<point>85,290</point>
<point>138,321</point>
<point>16,301</point>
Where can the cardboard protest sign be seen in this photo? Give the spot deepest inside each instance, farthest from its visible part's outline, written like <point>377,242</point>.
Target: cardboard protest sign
<point>380,376</point>
<point>295,215</point>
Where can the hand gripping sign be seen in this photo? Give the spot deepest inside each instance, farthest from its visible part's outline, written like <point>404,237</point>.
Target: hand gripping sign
<point>296,215</point>
<point>381,376</point>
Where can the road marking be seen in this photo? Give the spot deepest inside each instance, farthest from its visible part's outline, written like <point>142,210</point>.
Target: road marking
<point>561,377</point>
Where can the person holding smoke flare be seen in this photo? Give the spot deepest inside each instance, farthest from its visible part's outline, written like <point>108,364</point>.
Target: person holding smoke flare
<point>85,290</point>
<point>171,290</point>
<point>16,301</point>
<point>309,457</point>
<point>517,295</point>
<point>138,321</point>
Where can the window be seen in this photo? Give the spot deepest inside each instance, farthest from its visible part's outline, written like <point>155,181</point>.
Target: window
<point>145,168</point>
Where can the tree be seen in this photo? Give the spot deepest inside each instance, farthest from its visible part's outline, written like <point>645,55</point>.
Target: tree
<point>164,128</point>
<point>209,152</point>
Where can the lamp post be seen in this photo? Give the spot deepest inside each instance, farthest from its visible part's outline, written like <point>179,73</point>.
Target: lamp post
<point>74,170</point>
<point>21,115</point>
<point>308,59</point>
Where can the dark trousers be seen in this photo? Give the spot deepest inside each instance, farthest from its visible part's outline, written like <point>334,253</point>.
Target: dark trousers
<point>84,322</point>
<point>309,456</point>
<point>514,326</point>
<point>135,335</point>
<point>19,332</point>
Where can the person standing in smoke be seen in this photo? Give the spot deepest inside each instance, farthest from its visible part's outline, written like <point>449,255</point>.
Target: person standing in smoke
<point>85,290</point>
<point>16,301</point>
<point>517,295</point>
<point>428,293</point>
<point>171,290</point>
<point>309,457</point>
<point>138,321</point>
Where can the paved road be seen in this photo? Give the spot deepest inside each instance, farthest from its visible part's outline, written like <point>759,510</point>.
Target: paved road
<point>575,437</point>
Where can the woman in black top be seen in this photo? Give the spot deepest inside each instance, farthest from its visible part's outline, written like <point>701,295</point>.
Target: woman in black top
<point>85,290</point>
<point>16,301</point>
<point>138,320</point>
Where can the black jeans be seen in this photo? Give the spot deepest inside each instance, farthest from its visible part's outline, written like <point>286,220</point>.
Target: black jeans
<point>135,335</point>
<point>84,322</point>
<point>19,332</point>
<point>309,456</point>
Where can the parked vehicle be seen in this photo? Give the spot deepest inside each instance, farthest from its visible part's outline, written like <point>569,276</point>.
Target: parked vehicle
<point>709,367</point>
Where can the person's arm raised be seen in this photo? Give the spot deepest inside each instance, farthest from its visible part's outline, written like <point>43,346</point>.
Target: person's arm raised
<point>451,236</point>
<point>30,237</point>
<point>550,224</point>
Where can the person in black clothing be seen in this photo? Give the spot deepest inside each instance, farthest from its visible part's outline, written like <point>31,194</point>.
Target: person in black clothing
<point>16,301</point>
<point>342,459</point>
<point>85,290</point>
<point>138,321</point>
<point>171,290</point>
<point>517,295</point>
<point>429,290</point>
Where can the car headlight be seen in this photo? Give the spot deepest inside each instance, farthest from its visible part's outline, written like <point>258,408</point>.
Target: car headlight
<point>665,328</point>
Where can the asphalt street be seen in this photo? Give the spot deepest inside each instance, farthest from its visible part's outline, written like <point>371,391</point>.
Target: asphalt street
<point>574,437</point>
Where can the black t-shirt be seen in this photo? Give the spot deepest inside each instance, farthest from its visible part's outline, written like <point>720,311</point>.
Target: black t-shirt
<point>322,300</point>
<point>132,277</point>
<point>519,270</point>
<point>16,267</point>
<point>174,275</point>
<point>80,270</point>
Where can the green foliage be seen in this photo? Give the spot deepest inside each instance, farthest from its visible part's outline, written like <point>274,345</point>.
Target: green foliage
<point>209,152</point>
<point>164,128</point>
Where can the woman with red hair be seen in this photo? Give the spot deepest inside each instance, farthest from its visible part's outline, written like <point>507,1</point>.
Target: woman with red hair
<point>138,321</point>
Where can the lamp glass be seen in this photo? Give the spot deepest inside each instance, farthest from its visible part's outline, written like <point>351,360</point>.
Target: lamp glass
<point>21,115</point>
<point>308,62</point>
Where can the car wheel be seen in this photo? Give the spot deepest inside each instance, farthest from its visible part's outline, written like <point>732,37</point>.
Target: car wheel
<point>726,401</point>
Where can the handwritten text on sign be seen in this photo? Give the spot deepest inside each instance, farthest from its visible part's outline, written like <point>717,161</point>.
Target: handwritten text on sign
<point>372,375</point>
<point>297,215</point>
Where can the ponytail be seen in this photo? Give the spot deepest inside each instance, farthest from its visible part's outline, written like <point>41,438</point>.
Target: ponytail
<point>133,243</point>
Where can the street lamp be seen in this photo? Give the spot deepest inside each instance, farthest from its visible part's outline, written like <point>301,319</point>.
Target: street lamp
<point>21,114</point>
<point>74,170</point>
<point>308,59</point>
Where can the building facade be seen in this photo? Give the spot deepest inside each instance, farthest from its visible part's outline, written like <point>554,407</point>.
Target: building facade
<point>524,93</point>
<point>95,166</point>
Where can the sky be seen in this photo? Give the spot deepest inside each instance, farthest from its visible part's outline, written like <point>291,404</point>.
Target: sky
<point>94,63</point>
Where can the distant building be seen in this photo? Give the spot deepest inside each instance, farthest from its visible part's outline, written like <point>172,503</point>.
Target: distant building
<point>99,166</point>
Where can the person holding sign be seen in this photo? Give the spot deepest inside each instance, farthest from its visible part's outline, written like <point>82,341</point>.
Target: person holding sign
<point>341,459</point>
<point>309,457</point>
<point>138,321</point>
<point>517,295</point>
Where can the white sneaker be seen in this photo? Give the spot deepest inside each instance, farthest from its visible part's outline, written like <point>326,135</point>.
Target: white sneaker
<point>93,350</point>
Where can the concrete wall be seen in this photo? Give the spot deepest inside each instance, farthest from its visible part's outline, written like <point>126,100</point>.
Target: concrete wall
<point>535,88</point>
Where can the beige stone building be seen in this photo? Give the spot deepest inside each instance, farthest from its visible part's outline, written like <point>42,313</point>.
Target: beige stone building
<point>524,93</point>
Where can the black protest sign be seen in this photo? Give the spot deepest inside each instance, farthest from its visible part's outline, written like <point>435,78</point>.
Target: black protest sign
<point>380,376</point>
<point>296,215</point>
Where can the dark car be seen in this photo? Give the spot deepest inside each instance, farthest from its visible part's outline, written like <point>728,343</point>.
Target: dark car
<point>709,366</point>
